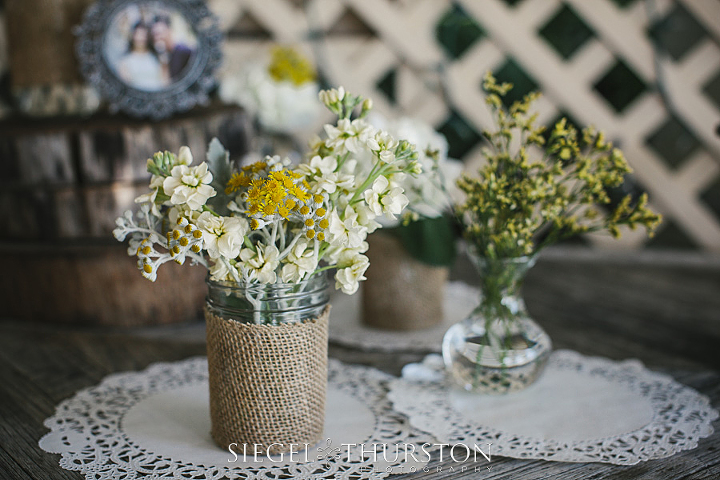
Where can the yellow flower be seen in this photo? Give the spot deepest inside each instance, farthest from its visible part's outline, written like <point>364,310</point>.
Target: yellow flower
<point>275,196</point>
<point>237,181</point>
<point>287,64</point>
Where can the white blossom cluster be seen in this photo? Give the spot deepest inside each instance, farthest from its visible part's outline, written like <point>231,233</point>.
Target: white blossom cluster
<point>279,106</point>
<point>430,192</point>
<point>270,223</point>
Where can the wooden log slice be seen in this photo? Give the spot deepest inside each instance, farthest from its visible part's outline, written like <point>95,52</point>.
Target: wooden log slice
<point>69,180</point>
<point>64,184</point>
<point>95,285</point>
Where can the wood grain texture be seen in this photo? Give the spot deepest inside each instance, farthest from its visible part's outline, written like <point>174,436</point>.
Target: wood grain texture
<point>41,40</point>
<point>95,286</point>
<point>70,179</point>
<point>663,313</point>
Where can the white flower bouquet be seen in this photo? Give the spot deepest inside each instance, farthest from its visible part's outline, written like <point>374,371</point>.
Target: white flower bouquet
<point>429,194</point>
<point>268,222</point>
<point>427,227</point>
<point>281,94</point>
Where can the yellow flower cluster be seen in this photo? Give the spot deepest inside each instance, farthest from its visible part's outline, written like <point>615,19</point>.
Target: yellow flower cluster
<point>287,64</point>
<point>146,264</point>
<point>279,194</point>
<point>314,216</point>
<point>515,206</point>
<point>243,178</point>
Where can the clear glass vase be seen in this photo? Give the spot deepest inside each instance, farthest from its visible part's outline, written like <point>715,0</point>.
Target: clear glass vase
<point>498,348</point>
<point>269,304</point>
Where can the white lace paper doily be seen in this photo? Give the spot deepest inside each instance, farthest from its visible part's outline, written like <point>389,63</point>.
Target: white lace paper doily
<point>582,409</point>
<point>346,327</point>
<point>155,424</point>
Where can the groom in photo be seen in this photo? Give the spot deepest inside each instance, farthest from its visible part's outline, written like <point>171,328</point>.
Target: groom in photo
<point>175,55</point>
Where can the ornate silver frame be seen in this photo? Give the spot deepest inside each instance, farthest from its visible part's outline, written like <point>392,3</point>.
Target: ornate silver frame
<point>180,96</point>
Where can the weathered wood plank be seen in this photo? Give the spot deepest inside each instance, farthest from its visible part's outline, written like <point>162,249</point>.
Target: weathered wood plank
<point>71,179</point>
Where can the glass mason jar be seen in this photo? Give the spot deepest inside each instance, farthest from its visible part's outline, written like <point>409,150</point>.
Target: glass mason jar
<point>267,363</point>
<point>498,348</point>
<point>269,304</point>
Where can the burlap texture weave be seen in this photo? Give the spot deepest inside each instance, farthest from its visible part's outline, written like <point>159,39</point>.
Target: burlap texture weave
<point>267,382</point>
<point>400,293</point>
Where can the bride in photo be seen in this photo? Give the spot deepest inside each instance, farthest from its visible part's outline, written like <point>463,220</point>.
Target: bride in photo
<point>140,67</point>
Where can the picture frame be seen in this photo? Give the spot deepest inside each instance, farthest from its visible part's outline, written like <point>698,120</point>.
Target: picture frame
<point>150,58</point>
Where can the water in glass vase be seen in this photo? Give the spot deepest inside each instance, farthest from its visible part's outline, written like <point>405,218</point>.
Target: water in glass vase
<point>498,348</point>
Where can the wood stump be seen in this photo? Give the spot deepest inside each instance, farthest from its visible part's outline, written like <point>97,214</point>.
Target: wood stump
<point>64,184</point>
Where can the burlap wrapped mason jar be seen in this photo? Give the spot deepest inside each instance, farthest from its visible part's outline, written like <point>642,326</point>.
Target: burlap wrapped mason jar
<point>267,361</point>
<point>400,293</point>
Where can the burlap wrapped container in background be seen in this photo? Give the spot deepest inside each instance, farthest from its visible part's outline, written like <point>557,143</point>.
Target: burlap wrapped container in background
<point>400,293</point>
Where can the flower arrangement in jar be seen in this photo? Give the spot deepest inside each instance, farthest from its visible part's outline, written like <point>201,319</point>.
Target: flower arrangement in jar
<point>280,94</point>
<point>268,232</point>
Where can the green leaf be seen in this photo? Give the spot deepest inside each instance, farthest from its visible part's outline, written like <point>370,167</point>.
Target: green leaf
<point>161,197</point>
<point>429,240</point>
<point>218,160</point>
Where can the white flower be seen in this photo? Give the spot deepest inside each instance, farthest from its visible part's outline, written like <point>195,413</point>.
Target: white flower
<point>330,183</point>
<point>156,183</point>
<point>221,270</point>
<point>372,195</point>
<point>184,156</point>
<point>318,166</point>
<point>348,136</point>
<point>178,211</point>
<point>223,236</point>
<point>333,253</point>
<point>189,185</point>
<point>260,265</point>
<point>301,261</point>
<point>423,189</point>
<point>280,106</point>
<point>383,198</point>
<point>347,233</point>
<point>383,145</point>
<point>366,217</point>
<point>351,268</point>
<point>328,97</point>
<point>322,175</point>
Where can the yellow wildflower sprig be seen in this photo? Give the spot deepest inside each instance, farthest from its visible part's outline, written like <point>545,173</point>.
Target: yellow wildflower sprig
<point>517,205</point>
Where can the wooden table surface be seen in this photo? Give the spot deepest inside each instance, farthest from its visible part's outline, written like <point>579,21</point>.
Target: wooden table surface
<point>663,309</point>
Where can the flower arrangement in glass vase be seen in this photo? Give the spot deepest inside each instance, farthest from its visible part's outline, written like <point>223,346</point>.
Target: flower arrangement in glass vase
<point>411,255</point>
<point>532,192</point>
<point>268,232</point>
<point>280,94</point>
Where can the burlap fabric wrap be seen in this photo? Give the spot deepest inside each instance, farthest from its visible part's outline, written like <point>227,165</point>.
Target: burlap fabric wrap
<point>267,382</point>
<point>400,293</point>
